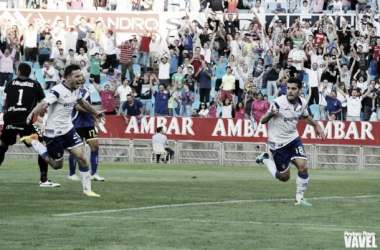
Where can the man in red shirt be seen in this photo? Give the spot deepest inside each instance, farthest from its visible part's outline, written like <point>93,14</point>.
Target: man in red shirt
<point>144,48</point>
<point>319,36</point>
<point>376,50</point>
<point>126,52</point>
<point>107,97</point>
<point>197,59</point>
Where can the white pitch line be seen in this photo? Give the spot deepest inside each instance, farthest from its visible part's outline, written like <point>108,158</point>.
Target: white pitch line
<point>207,204</point>
<point>230,222</point>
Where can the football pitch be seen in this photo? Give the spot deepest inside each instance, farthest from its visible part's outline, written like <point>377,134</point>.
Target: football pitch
<point>160,206</point>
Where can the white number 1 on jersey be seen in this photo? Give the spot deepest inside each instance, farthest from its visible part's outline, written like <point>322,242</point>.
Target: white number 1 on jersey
<point>20,97</point>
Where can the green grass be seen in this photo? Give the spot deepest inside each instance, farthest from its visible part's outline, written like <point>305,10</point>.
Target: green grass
<point>28,214</point>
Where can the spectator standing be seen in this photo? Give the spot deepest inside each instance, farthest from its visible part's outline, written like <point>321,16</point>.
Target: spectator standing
<point>95,68</point>
<point>144,48</point>
<point>82,56</point>
<point>227,106</point>
<point>220,67</point>
<point>298,55</point>
<point>187,99</point>
<point>197,59</point>
<point>164,69</point>
<point>228,85</point>
<point>146,92</point>
<point>107,97</point>
<point>83,34</point>
<point>49,75</point>
<point>334,106</point>
<point>154,47</point>
<point>45,48</point>
<point>123,91</point>
<point>30,44</point>
<point>178,78</point>
<point>133,107</point>
<point>110,50</point>
<point>190,78</point>
<point>6,65</point>
<point>314,82</point>
<point>273,77</point>
<point>161,99</point>
<point>259,108</point>
<point>203,77</point>
<point>354,103</point>
<point>240,111</point>
<point>250,95</point>
<point>213,110</point>
<point>126,52</point>
<point>93,44</point>
<point>71,59</point>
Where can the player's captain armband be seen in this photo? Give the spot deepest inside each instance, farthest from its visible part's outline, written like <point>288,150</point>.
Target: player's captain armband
<point>275,106</point>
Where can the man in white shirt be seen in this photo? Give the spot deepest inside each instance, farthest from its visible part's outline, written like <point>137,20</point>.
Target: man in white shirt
<point>82,56</point>
<point>49,75</point>
<point>124,89</point>
<point>314,82</point>
<point>60,133</point>
<point>164,71</point>
<point>161,138</point>
<point>283,137</point>
<point>70,59</point>
<point>60,59</point>
<point>154,47</point>
<point>298,55</point>
<point>354,103</point>
<point>110,50</point>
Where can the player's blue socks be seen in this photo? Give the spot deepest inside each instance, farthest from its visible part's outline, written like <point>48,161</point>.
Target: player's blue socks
<point>94,161</point>
<point>272,168</point>
<point>85,177</point>
<point>72,165</point>
<point>302,183</point>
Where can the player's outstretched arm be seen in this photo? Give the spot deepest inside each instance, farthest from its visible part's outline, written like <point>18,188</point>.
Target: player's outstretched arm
<point>39,109</point>
<point>315,124</point>
<point>85,105</point>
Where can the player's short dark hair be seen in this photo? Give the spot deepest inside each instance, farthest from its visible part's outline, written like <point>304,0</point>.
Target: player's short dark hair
<point>111,70</point>
<point>129,95</point>
<point>295,80</point>
<point>24,69</point>
<point>69,69</point>
<point>159,129</point>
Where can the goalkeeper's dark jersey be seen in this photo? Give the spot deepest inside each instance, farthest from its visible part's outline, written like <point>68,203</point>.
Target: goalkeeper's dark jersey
<point>22,95</point>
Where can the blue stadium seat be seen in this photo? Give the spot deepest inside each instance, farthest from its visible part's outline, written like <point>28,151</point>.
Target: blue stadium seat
<point>195,105</point>
<point>39,76</point>
<point>36,65</point>
<point>136,68</point>
<point>315,111</point>
<point>264,91</point>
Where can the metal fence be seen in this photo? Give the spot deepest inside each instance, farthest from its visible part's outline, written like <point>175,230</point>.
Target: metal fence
<point>224,153</point>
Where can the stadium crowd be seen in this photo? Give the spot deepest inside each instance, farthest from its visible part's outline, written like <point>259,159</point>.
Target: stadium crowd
<point>222,70</point>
